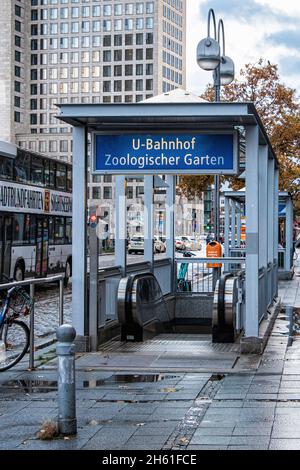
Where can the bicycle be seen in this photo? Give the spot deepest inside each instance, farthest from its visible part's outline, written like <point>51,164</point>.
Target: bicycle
<point>14,333</point>
<point>184,285</point>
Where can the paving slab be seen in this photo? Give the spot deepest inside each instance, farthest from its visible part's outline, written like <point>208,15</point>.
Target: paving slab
<point>151,395</point>
<point>284,444</point>
<point>206,447</point>
<point>210,440</point>
<point>249,430</point>
<point>250,441</point>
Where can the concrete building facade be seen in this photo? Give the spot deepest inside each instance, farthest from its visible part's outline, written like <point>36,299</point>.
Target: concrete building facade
<point>84,51</point>
<point>15,69</point>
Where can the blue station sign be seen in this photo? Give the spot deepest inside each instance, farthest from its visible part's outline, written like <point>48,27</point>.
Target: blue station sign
<point>165,153</point>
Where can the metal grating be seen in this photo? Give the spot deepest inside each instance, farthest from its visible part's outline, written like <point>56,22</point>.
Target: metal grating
<point>172,343</point>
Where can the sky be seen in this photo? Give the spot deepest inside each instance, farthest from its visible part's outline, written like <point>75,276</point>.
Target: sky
<point>253,28</point>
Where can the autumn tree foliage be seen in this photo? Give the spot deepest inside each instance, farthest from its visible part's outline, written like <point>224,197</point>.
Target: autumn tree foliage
<point>279,111</point>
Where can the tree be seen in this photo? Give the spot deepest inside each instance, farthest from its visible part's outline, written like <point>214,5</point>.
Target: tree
<point>279,111</point>
<point>192,186</point>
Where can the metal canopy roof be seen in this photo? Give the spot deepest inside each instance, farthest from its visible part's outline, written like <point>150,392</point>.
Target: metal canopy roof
<point>240,195</point>
<point>236,195</point>
<point>164,115</point>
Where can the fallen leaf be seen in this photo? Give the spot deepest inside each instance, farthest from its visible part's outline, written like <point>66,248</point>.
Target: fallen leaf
<point>48,431</point>
<point>183,441</point>
<point>141,424</point>
<point>169,390</point>
<point>93,422</point>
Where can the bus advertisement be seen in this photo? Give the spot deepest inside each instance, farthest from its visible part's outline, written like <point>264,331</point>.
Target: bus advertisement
<point>35,217</point>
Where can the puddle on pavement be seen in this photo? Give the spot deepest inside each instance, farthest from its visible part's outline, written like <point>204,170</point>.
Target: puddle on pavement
<point>292,316</point>
<point>30,386</point>
<point>296,321</point>
<point>123,378</point>
<point>217,377</point>
<point>46,386</point>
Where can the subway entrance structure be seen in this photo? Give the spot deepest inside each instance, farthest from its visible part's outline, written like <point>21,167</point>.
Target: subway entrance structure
<point>235,223</point>
<point>205,138</point>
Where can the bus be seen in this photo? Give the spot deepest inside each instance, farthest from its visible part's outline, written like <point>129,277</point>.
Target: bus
<point>35,215</point>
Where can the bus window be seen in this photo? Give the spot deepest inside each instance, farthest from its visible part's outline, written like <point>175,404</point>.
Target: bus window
<point>51,230</point>
<point>59,230</point>
<point>6,168</point>
<point>26,236</point>
<point>22,167</point>
<point>69,179</point>
<point>52,174</point>
<point>61,177</point>
<point>68,230</point>
<point>32,232</point>
<point>24,229</point>
<point>18,229</point>
<point>37,171</point>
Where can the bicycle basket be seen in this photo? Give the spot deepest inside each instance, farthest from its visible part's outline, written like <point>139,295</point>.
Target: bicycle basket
<point>20,302</point>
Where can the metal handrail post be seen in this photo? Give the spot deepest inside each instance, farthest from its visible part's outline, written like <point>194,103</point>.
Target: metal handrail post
<point>8,285</point>
<point>61,301</point>
<point>31,337</point>
<point>31,283</point>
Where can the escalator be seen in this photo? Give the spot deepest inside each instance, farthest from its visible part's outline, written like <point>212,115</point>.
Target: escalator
<point>142,307</point>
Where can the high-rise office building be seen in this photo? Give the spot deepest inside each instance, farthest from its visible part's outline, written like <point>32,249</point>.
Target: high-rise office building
<point>15,69</point>
<point>83,51</point>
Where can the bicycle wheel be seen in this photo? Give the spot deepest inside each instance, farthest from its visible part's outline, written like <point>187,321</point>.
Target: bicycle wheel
<point>15,338</point>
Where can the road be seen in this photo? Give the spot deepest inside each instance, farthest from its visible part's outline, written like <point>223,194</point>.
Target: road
<point>109,260</point>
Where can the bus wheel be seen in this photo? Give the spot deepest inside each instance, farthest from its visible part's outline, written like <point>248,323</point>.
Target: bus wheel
<point>67,273</point>
<point>19,273</point>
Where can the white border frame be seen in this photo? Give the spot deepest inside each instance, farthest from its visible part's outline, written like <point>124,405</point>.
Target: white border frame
<point>232,172</point>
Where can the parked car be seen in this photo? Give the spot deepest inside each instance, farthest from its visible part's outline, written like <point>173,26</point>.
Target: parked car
<point>179,244</point>
<point>159,245</point>
<point>191,243</point>
<point>136,245</point>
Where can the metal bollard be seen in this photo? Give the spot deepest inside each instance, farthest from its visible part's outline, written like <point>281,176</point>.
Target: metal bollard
<point>67,423</point>
<point>31,336</point>
<point>61,302</point>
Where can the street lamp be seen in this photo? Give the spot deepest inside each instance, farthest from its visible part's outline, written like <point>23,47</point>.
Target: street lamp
<point>208,50</point>
<point>209,57</point>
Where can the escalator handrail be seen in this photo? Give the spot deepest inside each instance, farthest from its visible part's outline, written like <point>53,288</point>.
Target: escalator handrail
<point>221,299</point>
<point>128,294</point>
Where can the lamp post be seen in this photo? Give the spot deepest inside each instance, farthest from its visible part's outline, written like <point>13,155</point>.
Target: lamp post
<point>209,57</point>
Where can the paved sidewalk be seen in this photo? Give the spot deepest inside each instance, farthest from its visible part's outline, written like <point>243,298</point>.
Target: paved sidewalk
<point>250,410</point>
<point>289,291</point>
<point>255,405</point>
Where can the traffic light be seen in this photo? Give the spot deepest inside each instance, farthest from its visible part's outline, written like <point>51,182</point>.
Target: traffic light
<point>93,220</point>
